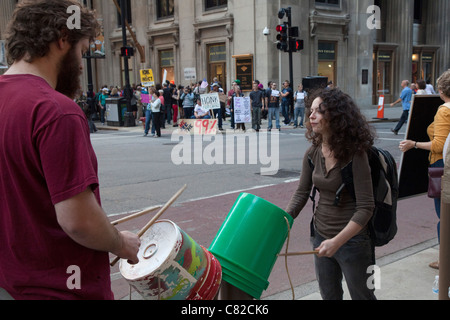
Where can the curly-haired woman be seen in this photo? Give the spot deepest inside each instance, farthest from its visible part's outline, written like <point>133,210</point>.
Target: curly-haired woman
<point>339,134</point>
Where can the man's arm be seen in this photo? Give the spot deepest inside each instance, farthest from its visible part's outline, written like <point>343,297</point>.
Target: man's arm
<point>394,103</point>
<point>82,218</point>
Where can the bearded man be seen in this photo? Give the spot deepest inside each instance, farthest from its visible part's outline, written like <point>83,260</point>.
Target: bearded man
<point>54,235</point>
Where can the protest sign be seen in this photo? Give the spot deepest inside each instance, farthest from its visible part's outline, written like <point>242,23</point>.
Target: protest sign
<point>210,101</point>
<point>242,110</point>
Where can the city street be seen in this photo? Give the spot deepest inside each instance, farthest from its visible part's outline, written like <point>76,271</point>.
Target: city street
<point>137,173</point>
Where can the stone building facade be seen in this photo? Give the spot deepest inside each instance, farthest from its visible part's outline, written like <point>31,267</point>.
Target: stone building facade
<point>366,47</point>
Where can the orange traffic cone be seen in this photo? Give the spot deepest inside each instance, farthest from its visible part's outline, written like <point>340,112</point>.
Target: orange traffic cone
<point>380,115</point>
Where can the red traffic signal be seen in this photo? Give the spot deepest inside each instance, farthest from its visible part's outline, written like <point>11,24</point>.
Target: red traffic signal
<point>299,45</point>
<point>282,37</point>
<point>282,28</point>
<point>127,52</point>
<point>296,45</point>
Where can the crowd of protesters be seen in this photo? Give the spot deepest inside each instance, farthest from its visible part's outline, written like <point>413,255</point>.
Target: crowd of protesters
<point>183,102</point>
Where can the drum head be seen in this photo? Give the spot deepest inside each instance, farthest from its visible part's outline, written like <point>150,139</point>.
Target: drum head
<point>158,248</point>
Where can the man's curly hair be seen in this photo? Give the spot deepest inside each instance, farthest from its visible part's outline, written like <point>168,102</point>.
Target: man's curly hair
<point>38,23</point>
<point>349,131</point>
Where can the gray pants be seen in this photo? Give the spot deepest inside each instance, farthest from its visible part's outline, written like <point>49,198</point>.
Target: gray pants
<point>352,260</point>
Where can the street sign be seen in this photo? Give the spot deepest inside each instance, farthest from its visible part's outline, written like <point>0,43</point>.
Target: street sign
<point>147,78</point>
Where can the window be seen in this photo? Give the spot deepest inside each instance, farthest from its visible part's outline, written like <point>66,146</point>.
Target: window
<point>215,4</point>
<point>384,73</point>
<point>335,3</point>
<point>167,64</point>
<point>128,16</point>
<point>327,60</point>
<point>164,9</point>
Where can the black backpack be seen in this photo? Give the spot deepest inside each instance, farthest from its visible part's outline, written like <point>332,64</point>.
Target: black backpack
<point>383,224</point>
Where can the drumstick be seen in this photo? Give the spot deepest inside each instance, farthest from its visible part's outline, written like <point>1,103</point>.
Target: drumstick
<point>155,218</point>
<point>298,253</point>
<point>136,215</point>
<point>159,214</point>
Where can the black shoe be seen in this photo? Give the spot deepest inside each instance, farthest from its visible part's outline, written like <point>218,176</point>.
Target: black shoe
<point>395,132</point>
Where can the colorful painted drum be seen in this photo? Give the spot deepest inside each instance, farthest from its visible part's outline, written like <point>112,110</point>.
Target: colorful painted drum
<point>171,265</point>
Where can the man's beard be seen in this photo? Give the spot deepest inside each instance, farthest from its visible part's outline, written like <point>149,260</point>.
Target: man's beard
<point>69,75</point>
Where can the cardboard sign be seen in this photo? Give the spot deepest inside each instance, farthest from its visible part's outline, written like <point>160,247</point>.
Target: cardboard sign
<point>145,98</point>
<point>242,110</point>
<point>414,164</point>
<point>210,101</point>
<point>147,78</point>
<point>198,126</point>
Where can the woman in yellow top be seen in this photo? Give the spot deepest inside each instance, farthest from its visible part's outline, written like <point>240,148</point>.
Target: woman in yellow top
<point>438,132</point>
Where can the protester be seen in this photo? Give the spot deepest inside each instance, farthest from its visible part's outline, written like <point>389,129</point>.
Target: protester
<point>200,112</point>
<point>256,102</point>
<point>51,216</point>
<point>299,111</point>
<point>188,102</point>
<point>175,98</point>
<point>237,93</point>
<point>438,132</point>
<point>218,113</point>
<point>155,105</point>
<point>102,104</point>
<point>273,103</point>
<point>286,97</point>
<point>339,134</point>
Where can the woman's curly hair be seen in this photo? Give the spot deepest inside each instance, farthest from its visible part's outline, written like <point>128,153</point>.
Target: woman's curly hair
<point>38,23</point>
<point>349,131</point>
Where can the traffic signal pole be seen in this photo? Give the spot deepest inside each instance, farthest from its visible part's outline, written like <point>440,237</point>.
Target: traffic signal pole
<point>291,64</point>
<point>288,42</point>
<point>129,117</point>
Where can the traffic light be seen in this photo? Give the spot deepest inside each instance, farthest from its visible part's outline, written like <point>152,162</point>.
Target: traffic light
<point>127,52</point>
<point>299,45</point>
<point>282,37</point>
<point>296,45</point>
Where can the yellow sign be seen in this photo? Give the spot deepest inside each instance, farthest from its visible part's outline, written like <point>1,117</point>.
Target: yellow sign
<point>147,79</point>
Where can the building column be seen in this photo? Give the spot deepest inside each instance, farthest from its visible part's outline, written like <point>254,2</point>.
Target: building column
<point>438,26</point>
<point>399,29</point>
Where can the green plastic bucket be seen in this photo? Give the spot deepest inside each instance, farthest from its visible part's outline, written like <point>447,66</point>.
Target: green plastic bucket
<point>249,241</point>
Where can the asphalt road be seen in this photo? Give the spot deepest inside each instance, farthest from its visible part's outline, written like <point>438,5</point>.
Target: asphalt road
<point>137,172</point>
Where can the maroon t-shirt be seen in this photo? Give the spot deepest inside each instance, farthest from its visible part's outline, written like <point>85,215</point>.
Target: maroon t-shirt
<point>46,157</point>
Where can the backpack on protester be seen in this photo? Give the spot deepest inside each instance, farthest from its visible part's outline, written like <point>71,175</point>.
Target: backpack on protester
<point>383,224</point>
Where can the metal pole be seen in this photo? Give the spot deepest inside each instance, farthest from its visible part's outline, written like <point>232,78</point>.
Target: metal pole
<point>129,118</point>
<point>291,65</point>
<point>90,92</point>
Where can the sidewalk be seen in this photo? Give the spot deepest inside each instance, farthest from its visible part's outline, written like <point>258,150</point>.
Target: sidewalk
<point>404,275</point>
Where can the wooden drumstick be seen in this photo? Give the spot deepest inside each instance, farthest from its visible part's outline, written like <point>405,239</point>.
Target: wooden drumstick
<point>155,218</point>
<point>136,215</point>
<point>159,214</point>
<point>298,253</point>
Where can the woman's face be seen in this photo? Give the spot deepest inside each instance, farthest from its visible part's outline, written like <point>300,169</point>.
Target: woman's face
<point>316,118</point>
